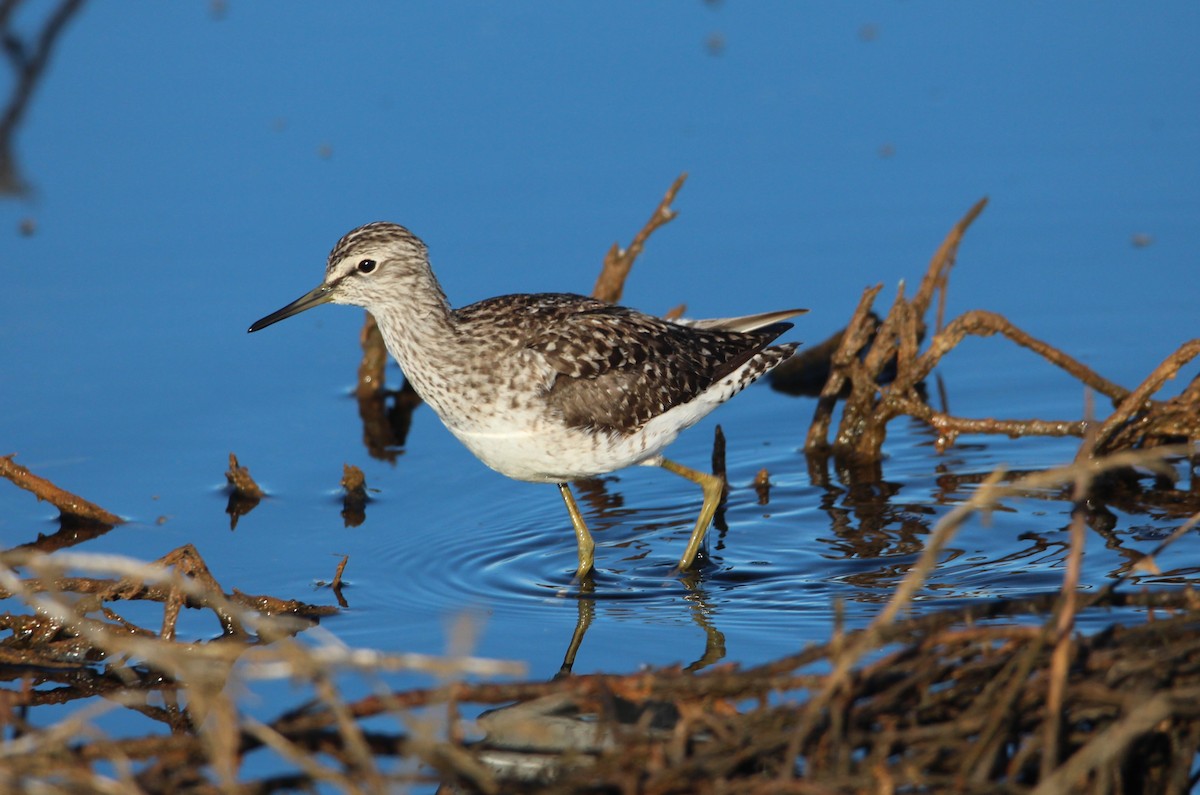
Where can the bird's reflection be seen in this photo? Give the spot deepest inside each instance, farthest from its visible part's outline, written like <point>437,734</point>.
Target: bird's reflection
<point>585,606</point>
<point>703,611</point>
<point>700,608</point>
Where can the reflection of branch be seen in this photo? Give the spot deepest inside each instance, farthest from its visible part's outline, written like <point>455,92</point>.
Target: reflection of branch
<point>28,64</point>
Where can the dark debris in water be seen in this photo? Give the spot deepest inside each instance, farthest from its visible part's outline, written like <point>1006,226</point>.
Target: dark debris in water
<point>244,493</point>
<point>762,486</point>
<point>354,503</point>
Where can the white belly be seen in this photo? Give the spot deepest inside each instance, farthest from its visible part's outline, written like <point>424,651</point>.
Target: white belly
<point>557,454</point>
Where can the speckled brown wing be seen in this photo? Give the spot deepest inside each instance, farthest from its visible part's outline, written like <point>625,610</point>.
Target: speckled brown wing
<point>618,368</point>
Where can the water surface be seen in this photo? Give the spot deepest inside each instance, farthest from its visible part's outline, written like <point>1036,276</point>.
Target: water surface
<point>192,179</point>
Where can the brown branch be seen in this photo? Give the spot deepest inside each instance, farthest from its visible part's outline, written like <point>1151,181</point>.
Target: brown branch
<point>909,336</point>
<point>67,503</point>
<point>887,339</point>
<point>984,324</point>
<point>938,273</point>
<point>1109,744</point>
<point>807,371</point>
<point>1134,401</point>
<point>949,427</point>
<point>189,562</point>
<point>859,374</point>
<point>372,367</point>
<point>1060,658</point>
<point>762,486</point>
<point>909,715</point>
<point>336,584</point>
<point>618,261</point>
<point>858,333</point>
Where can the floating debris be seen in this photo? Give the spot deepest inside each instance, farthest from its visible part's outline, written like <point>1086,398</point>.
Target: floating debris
<point>354,504</point>
<point>762,486</point>
<point>244,493</point>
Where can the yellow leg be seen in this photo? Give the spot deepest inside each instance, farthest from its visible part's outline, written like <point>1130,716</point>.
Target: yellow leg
<point>582,536</point>
<point>713,487</point>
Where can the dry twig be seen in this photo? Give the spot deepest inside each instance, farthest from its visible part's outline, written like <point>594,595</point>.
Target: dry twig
<point>67,503</point>
<point>860,362</point>
<point>618,261</point>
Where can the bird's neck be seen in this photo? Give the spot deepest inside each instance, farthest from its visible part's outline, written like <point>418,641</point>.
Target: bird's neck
<point>419,331</point>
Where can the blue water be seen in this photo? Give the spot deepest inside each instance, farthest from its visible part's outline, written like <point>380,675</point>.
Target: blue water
<point>189,171</point>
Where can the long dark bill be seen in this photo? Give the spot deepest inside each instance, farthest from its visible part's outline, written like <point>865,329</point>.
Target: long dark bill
<point>323,294</point>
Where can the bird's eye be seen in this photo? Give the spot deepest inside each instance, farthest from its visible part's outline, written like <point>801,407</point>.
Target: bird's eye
<point>366,266</point>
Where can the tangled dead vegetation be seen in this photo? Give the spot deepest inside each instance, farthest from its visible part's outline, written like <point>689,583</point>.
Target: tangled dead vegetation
<point>997,697</point>
<point>878,371</point>
<point>1006,696</point>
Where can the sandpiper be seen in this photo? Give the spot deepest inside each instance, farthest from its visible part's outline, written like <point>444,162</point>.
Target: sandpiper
<point>549,387</point>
